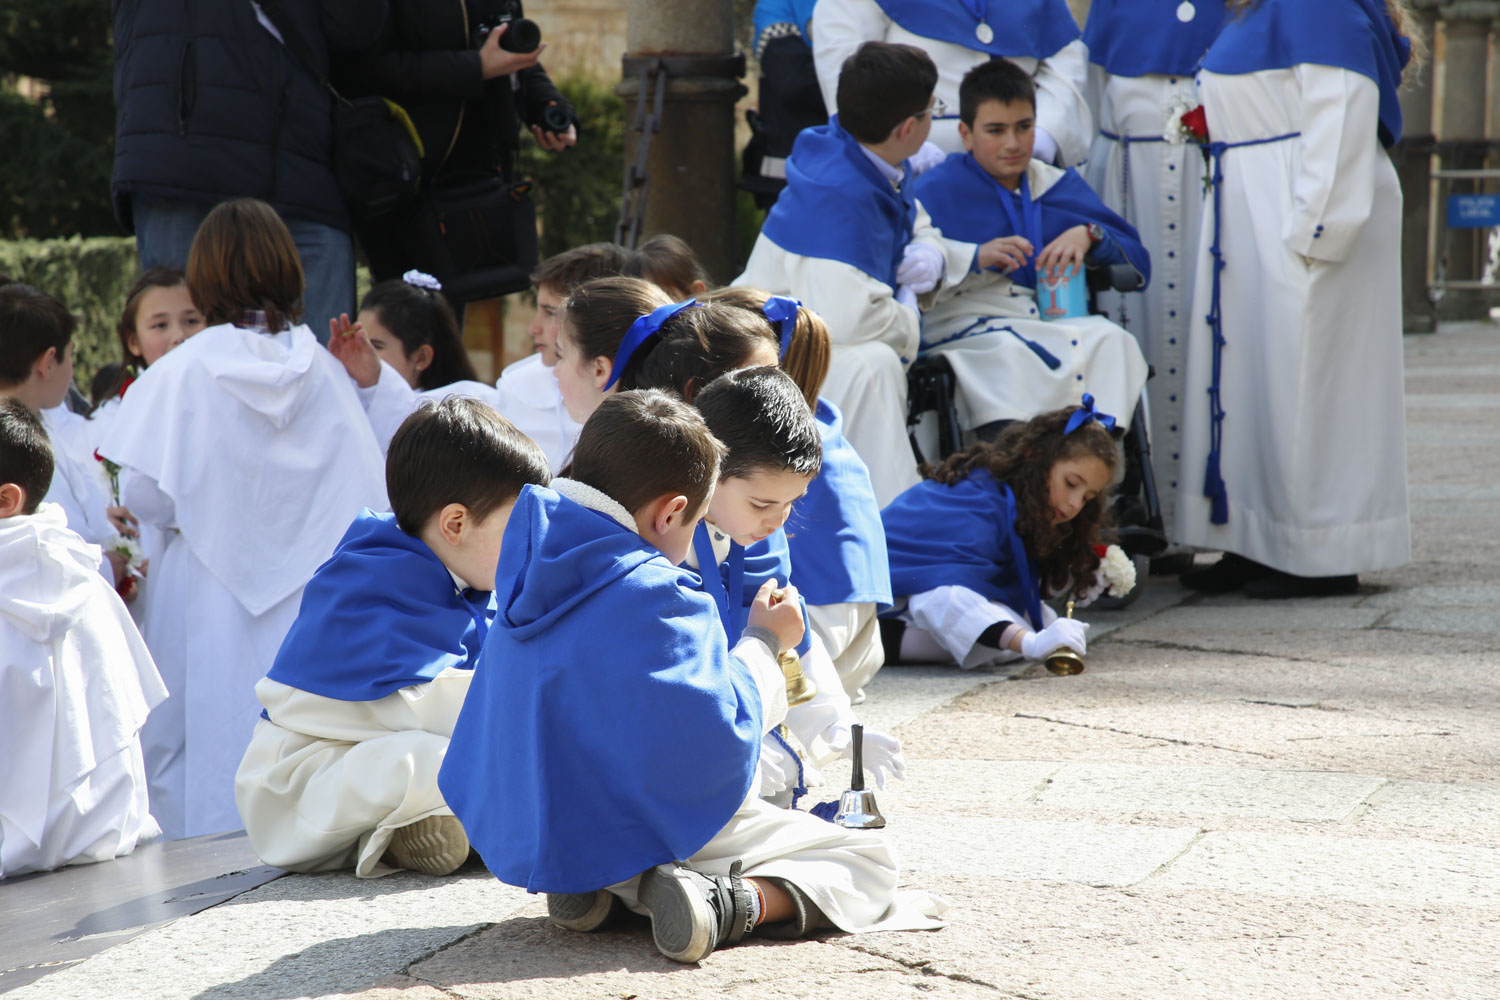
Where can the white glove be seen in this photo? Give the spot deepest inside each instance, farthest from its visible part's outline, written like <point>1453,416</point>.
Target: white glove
<point>1067,632</point>
<point>908,298</point>
<point>777,769</point>
<point>921,267</point>
<point>929,156</point>
<point>1045,148</point>
<point>808,722</point>
<point>881,753</point>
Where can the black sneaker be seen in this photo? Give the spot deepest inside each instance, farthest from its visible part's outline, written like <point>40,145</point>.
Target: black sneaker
<point>1230,573</point>
<point>1280,586</point>
<point>692,913</point>
<point>583,911</point>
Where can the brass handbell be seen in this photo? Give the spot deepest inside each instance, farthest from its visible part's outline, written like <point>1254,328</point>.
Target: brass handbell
<point>857,808</point>
<point>799,690</point>
<point>1063,661</point>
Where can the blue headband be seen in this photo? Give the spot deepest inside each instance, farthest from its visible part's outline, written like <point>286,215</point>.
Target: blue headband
<point>782,311</point>
<point>1086,413</point>
<point>640,331</point>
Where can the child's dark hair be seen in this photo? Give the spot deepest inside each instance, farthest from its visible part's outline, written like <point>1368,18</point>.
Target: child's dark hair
<point>997,80</point>
<point>811,350</point>
<point>418,316</point>
<point>696,346</point>
<point>643,444</point>
<point>1022,457</point>
<point>599,312</point>
<point>762,418</point>
<point>458,451</point>
<point>565,271</point>
<point>881,86</point>
<point>243,258</point>
<point>668,261</point>
<point>25,454</point>
<point>103,388</point>
<point>31,321</point>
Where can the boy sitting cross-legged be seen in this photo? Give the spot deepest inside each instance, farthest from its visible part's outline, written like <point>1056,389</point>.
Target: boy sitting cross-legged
<point>608,750</point>
<point>359,705</point>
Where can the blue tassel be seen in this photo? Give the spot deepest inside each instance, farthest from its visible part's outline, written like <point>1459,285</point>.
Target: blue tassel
<point>826,810</point>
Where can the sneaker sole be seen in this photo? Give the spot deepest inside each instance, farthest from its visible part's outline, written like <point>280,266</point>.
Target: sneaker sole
<point>436,845</point>
<point>583,911</point>
<point>682,922</point>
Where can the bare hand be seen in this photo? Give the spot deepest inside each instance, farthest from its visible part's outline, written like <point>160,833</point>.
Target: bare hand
<point>1067,251</point>
<point>120,563</point>
<point>495,61</point>
<point>555,142</point>
<point>351,345</point>
<point>779,611</point>
<point>123,521</point>
<point>1006,253</point>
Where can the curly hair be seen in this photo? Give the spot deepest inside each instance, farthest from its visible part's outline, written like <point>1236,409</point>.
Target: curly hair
<point>1022,457</point>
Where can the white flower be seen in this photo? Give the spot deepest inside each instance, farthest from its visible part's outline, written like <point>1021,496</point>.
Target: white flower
<point>1172,130</point>
<point>1117,571</point>
<point>128,547</point>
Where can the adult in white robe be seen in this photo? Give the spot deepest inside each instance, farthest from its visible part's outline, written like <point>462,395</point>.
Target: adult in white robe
<point>252,451</point>
<point>1313,452</point>
<point>76,684</point>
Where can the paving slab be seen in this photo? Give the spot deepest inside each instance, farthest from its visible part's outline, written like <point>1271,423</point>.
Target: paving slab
<point>1467,811</point>
<point>1486,596</point>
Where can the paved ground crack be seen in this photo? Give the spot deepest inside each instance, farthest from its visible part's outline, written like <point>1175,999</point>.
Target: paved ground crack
<point>1143,736</point>
<point>1216,650</point>
<point>925,967</point>
<point>406,970</point>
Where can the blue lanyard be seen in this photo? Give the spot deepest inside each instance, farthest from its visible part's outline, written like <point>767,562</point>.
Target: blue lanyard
<point>713,581</point>
<point>1030,214</point>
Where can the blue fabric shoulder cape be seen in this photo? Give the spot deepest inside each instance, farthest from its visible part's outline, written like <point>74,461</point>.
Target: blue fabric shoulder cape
<point>740,578</point>
<point>837,206</point>
<point>1141,37</point>
<point>964,202</point>
<point>964,535</point>
<point>835,535</point>
<point>1020,29</point>
<point>769,12</point>
<point>1357,35</point>
<point>608,729</point>
<point>382,613</point>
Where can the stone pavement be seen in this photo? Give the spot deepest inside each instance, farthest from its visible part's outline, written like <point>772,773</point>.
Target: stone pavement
<point>1236,800</point>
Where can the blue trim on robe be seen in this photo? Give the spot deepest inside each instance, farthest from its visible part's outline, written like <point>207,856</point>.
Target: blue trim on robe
<point>381,614</point>
<point>608,728</point>
<point>1357,35</point>
<point>837,541</point>
<point>837,206</point>
<point>964,202</point>
<point>962,535</point>
<point>1143,37</point>
<point>1021,29</point>
<point>768,559</point>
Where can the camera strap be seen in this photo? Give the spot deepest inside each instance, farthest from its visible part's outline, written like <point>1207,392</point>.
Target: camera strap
<point>294,42</point>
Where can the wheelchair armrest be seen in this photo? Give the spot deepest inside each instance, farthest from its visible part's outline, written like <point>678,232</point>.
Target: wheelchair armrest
<point>1115,277</point>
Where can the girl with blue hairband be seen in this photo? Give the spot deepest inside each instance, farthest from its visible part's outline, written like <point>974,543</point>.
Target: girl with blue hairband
<point>993,529</point>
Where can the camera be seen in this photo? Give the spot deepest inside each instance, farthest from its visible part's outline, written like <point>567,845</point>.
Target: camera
<point>522,35</point>
<point>554,118</point>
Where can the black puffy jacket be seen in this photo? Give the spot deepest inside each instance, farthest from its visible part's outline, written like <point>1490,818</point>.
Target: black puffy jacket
<point>210,106</point>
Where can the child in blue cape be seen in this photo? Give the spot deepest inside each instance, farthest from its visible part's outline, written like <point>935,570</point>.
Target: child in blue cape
<point>974,546</point>
<point>607,752</point>
<point>362,697</point>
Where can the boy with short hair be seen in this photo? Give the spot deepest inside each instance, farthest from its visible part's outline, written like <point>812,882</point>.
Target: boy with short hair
<point>1020,220</point>
<point>849,239</point>
<point>608,751</point>
<point>360,702</point>
<point>76,681</point>
<point>528,393</point>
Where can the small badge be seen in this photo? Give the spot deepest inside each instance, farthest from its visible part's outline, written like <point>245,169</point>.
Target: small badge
<point>986,34</point>
<point>1186,11</point>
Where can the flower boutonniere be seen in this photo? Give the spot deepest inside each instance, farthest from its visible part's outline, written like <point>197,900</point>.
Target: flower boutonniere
<point>1187,124</point>
<point>1116,570</point>
<point>135,558</point>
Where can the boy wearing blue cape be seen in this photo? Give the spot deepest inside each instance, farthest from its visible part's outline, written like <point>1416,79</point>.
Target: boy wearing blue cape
<point>364,692</point>
<point>848,239</point>
<point>1021,221</point>
<point>608,751</point>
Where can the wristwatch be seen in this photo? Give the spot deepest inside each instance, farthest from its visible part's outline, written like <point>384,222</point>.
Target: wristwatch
<point>1096,234</point>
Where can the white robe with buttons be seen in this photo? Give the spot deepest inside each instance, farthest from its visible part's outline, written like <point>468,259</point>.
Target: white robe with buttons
<point>1314,442</point>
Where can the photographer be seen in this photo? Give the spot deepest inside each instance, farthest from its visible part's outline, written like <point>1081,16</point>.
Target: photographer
<point>468,74</point>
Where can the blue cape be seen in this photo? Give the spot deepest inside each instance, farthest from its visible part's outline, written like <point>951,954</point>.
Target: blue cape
<point>608,729</point>
<point>1140,37</point>
<point>836,539</point>
<point>969,205</point>
<point>837,206</point>
<point>1357,35</point>
<point>1033,29</point>
<point>963,535</point>
<point>741,575</point>
<point>382,613</point>
<point>769,12</point>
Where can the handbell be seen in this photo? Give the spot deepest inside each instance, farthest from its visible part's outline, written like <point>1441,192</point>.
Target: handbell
<point>857,808</point>
<point>1063,661</point>
<point>799,690</point>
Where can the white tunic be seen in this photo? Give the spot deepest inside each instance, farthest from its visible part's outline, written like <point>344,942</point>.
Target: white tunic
<point>391,400</point>
<point>1164,200</point>
<point>327,783</point>
<point>528,396</point>
<point>79,484</point>
<point>76,683</point>
<point>841,26</point>
<point>1314,442</point>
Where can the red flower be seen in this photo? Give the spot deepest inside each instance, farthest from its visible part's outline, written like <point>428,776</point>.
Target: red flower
<point>1099,550</point>
<point>126,587</point>
<point>130,382</point>
<point>1196,123</point>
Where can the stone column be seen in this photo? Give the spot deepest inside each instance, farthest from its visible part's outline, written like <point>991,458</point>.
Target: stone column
<point>1466,28</point>
<point>691,164</point>
<point>1413,159</point>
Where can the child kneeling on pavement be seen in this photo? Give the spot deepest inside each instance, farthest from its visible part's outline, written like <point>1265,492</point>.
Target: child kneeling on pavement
<point>607,754</point>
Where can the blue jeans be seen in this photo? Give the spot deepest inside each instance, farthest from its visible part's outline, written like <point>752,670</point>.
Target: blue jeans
<point>164,230</point>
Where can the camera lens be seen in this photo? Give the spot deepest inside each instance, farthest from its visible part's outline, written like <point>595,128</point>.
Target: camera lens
<point>555,119</point>
<point>523,35</point>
